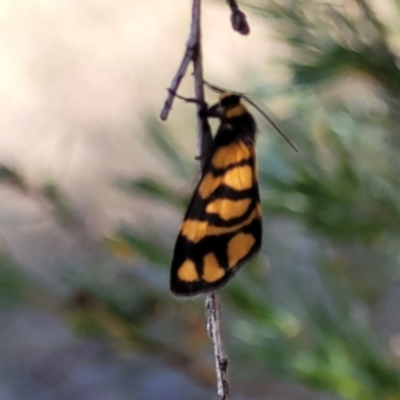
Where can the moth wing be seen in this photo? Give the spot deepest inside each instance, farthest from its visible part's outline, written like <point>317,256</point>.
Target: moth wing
<point>222,226</point>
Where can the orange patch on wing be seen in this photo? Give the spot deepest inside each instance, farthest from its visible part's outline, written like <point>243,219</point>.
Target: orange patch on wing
<point>239,247</point>
<point>228,209</point>
<point>187,272</point>
<point>212,271</point>
<point>194,230</point>
<point>231,154</point>
<point>239,178</point>
<point>208,184</point>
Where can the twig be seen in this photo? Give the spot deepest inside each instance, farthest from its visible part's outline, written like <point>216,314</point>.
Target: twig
<point>213,315</point>
<point>238,18</point>
<point>192,48</point>
<point>204,144</point>
<point>194,53</point>
<point>204,137</point>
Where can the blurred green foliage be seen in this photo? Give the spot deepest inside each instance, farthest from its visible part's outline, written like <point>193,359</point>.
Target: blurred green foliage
<point>341,110</point>
<point>332,223</point>
<point>14,284</point>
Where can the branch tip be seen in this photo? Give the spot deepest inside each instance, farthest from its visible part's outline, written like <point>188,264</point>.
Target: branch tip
<point>239,22</point>
<point>238,18</point>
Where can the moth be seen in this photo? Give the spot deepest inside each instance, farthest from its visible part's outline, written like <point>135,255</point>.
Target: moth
<point>222,226</point>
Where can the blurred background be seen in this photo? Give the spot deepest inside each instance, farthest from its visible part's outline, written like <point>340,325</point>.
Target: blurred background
<point>93,188</point>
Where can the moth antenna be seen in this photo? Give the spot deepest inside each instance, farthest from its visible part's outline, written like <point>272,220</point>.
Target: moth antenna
<point>219,89</point>
<point>271,122</point>
<point>215,88</point>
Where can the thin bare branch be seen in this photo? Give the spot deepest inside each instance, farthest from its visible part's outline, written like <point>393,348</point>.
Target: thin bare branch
<point>194,53</point>
<point>204,145</point>
<point>175,83</point>
<point>190,53</point>
<point>204,137</point>
<point>213,314</point>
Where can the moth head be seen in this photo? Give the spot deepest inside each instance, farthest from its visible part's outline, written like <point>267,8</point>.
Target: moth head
<point>228,107</point>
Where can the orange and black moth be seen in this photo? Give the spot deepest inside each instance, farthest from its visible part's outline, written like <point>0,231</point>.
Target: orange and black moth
<point>222,226</point>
